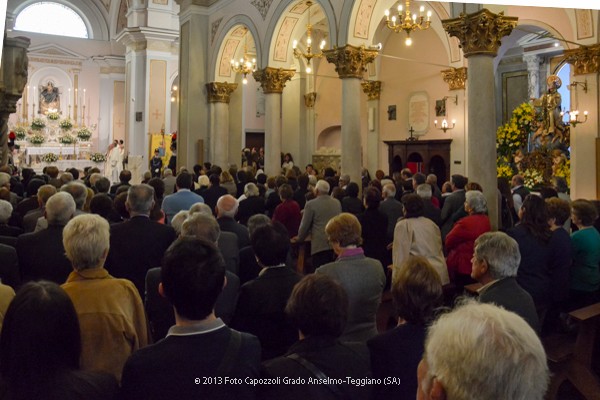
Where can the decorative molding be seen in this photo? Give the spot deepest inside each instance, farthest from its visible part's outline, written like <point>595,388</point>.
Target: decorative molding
<point>262,6</point>
<point>55,61</point>
<point>585,60</point>
<point>585,24</point>
<point>372,89</point>
<point>455,77</point>
<point>219,92</point>
<point>363,18</point>
<point>310,99</point>
<point>480,33</point>
<point>350,61</point>
<point>214,27</point>
<point>272,80</point>
<point>112,70</point>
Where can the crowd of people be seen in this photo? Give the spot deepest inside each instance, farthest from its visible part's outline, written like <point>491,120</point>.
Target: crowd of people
<point>187,285</point>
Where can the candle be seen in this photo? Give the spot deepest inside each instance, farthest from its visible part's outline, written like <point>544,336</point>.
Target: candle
<point>69,98</point>
<point>28,93</point>
<point>83,96</point>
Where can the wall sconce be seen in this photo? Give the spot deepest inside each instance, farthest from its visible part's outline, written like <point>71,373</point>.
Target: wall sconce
<point>583,84</point>
<point>455,98</point>
<point>445,126</point>
<point>574,117</point>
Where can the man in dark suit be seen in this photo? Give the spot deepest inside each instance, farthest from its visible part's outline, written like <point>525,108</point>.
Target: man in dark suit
<point>9,267</point>
<point>227,207</point>
<point>124,178</point>
<point>6,211</point>
<point>138,244</point>
<point>42,254</point>
<point>158,309</point>
<point>429,210</point>
<point>31,218</point>
<point>495,263</point>
<point>200,350</point>
<point>212,194</point>
<point>453,203</point>
<point>261,304</point>
<point>391,207</point>
<point>31,202</point>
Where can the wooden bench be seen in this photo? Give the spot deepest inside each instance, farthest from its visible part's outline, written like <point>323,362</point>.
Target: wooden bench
<point>572,361</point>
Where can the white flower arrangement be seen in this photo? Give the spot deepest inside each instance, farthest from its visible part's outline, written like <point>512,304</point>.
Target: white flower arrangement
<point>37,139</point>
<point>37,124</point>
<point>49,158</point>
<point>84,134</point>
<point>53,115</point>
<point>533,178</point>
<point>98,157</point>
<point>20,133</point>
<point>65,124</point>
<point>67,139</point>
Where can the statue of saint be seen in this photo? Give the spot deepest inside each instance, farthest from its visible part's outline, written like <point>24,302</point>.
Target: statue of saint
<point>550,103</point>
<point>49,98</point>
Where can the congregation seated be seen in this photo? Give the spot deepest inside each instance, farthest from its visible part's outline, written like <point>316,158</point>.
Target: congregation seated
<point>6,210</point>
<point>124,178</point>
<point>480,351</point>
<point>496,259</point>
<point>31,201</point>
<point>40,348</point>
<point>361,277</point>
<point>79,193</point>
<point>31,218</point>
<point>261,301</point>
<point>417,293</point>
<point>192,276</point>
<point>318,309</point>
<point>182,199</point>
<point>249,268</point>
<point>103,206</point>
<point>288,212</point>
<point>253,204</point>
<point>42,254</point>
<point>227,207</point>
<point>212,194</point>
<point>111,314</point>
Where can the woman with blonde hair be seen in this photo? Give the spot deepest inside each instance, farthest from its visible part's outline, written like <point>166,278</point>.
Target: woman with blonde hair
<point>228,183</point>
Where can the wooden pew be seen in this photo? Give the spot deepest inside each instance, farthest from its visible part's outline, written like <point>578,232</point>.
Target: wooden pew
<point>572,361</point>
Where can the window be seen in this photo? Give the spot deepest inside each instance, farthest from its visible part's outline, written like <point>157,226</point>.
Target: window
<point>51,18</point>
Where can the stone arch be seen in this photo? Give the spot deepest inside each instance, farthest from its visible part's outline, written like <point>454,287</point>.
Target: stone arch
<point>94,17</point>
<point>117,13</point>
<point>282,18</point>
<point>330,137</point>
<point>228,43</point>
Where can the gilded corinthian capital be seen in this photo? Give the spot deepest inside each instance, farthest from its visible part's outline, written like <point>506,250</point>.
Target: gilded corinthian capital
<point>372,89</point>
<point>480,32</point>
<point>350,61</point>
<point>219,92</point>
<point>455,77</point>
<point>585,60</point>
<point>272,80</point>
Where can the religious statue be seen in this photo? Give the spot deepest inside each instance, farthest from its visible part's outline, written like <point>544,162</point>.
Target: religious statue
<point>551,121</point>
<point>49,98</point>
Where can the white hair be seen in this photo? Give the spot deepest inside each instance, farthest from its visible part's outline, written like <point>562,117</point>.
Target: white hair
<point>476,201</point>
<point>60,208</point>
<point>86,239</point>
<point>386,181</point>
<point>201,226</point>
<point>78,191</point>
<point>6,210</point>
<point>168,172</point>
<point>500,251</point>
<point>4,179</point>
<point>251,190</point>
<point>227,199</point>
<point>200,208</point>
<point>178,220</point>
<point>389,189</point>
<point>322,187</point>
<point>424,191</point>
<point>481,351</point>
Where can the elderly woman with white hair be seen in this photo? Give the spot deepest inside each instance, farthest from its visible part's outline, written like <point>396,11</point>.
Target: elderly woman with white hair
<point>461,239</point>
<point>251,203</point>
<point>111,314</point>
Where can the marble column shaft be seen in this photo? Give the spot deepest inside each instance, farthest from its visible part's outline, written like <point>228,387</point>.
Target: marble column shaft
<point>218,97</point>
<point>480,35</point>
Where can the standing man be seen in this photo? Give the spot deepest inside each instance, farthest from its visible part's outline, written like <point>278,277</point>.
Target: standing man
<point>453,203</point>
<point>156,165</point>
<point>519,191</point>
<point>317,213</point>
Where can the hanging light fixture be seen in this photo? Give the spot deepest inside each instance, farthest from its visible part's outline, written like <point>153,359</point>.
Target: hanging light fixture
<point>408,23</point>
<point>244,66</point>
<point>309,55</point>
<point>574,114</point>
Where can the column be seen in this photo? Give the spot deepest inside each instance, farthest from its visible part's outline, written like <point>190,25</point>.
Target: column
<point>585,144</point>
<point>193,48</point>
<point>13,77</point>
<point>350,64</point>
<point>218,97</point>
<point>480,34</point>
<point>272,81</point>
<point>533,70</point>
<point>372,89</point>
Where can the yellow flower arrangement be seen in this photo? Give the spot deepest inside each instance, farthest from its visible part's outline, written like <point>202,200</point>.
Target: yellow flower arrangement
<point>564,171</point>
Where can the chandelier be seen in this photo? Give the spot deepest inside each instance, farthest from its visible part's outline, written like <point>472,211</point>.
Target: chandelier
<point>408,23</point>
<point>244,66</point>
<point>309,55</point>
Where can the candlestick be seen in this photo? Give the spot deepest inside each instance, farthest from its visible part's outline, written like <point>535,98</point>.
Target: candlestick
<point>69,99</point>
<point>84,97</point>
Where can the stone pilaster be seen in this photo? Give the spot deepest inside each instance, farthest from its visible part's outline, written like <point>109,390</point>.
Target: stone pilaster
<point>373,91</point>
<point>533,71</point>
<point>480,37</point>
<point>272,82</point>
<point>13,78</point>
<point>350,64</point>
<point>456,78</point>
<point>218,94</point>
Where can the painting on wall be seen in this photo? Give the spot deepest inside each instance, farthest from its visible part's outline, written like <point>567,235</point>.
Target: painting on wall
<point>440,108</point>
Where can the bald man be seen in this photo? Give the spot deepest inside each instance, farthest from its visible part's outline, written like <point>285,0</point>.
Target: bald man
<point>227,207</point>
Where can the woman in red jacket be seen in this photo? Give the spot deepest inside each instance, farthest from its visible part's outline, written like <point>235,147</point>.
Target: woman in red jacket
<point>461,239</point>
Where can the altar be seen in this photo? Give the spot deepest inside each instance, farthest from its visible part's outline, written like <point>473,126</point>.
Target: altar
<point>77,151</point>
